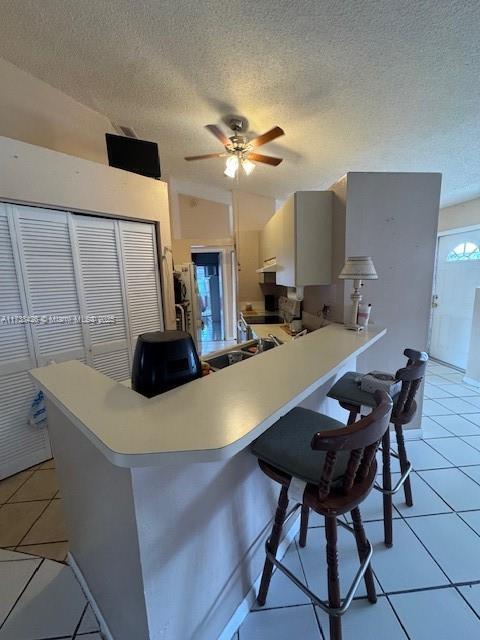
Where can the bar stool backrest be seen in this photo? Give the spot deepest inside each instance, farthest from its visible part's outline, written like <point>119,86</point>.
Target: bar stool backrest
<point>360,438</point>
<point>411,377</point>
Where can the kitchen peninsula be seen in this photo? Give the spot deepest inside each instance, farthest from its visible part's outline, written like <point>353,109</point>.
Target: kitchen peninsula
<point>166,508</point>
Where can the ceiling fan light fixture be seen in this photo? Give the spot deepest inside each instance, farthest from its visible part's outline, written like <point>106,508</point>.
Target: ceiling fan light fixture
<point>239,148</point>
<point>231,167</point>
<point>248,166</point>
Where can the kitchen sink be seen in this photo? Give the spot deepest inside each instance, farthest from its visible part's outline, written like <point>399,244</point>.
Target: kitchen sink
<point>259,346</point>
<point>227,359</point>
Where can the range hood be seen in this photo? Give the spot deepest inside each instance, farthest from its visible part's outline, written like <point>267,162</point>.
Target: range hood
<point>269,266</point>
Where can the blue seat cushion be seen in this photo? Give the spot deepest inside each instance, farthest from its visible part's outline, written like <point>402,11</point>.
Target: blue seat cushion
<point>347,390</point>
<point>286,446</point>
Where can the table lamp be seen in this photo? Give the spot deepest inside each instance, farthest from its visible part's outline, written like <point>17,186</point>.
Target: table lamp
<point>357,268</point>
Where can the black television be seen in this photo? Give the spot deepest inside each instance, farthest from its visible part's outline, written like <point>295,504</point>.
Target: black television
<point>132,154</point>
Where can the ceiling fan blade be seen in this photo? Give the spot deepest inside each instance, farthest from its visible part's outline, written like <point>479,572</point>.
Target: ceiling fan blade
<point>258,157</point>
<point>205,156</point>
<point>276,132</point>
<point>218,133</point>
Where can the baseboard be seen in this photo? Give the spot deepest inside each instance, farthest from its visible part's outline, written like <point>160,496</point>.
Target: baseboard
<point>471,381</point>
<point>83,583</point>
<point>244,607</point>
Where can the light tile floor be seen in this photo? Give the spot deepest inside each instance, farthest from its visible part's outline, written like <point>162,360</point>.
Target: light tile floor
<point>31,518</point>
<point>40,597</point>
<point>429,582</point>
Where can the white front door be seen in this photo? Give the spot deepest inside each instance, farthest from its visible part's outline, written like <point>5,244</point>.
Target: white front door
<point>457,276</point>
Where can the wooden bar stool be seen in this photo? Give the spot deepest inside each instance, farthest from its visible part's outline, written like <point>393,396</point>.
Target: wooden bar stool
<point>335,468</point>
<point>349,395</point>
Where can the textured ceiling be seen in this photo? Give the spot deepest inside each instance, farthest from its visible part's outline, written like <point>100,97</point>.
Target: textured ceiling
<point>387,85</point>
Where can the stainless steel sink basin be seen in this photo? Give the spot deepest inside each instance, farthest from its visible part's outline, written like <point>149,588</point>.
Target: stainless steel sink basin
<point>259,346</point>
<point>227,359</point>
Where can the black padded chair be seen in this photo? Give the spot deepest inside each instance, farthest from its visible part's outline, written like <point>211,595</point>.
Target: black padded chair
<point>338,465</point>
<point>348,393</point>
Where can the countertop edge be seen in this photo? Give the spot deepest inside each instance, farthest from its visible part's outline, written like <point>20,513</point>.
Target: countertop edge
<point>151,458</point>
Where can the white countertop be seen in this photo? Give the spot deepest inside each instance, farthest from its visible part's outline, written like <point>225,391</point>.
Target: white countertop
<point>211,418</point>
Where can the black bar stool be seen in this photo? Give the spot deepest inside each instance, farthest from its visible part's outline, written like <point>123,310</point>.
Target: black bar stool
<point>349,395</point>
<point>337,465</point>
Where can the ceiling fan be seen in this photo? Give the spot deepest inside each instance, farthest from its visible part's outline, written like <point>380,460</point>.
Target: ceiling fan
<point>239,150</point>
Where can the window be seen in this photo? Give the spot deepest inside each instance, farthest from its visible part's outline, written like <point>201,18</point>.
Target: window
<point>464,251</point>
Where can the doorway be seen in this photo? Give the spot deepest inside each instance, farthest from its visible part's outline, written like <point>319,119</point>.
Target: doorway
<point>457,275</point>
<point>215,279</point>
<point>209,280</point>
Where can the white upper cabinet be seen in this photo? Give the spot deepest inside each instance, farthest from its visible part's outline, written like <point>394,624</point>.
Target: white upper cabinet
<point>299,238</point>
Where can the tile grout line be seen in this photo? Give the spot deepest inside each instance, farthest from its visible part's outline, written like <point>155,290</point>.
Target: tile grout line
<point>319,624</point>
<point>18,488</point>
<point>422,543</point>
<point>466,601</point>
<point>34,523</point>
<point>472,479</point>
<point>397,616</point>
<point>82,615</point>
<point>4,504</point>
<point>455,511</point>
<point>42,560</point>
<point>440,454</point>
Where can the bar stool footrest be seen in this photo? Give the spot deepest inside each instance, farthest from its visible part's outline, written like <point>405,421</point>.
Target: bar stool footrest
<point>332,611</point>
<point>400,483</point>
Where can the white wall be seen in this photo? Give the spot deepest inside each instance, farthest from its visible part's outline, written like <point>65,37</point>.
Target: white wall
<point>472,374</point>
<point>393,217</point>
<point>251,214</point>
<point>33,111</point>
<point>188,188</point>
<point>465,214</point>
<point>34,175</point>
<point>205,219</point>
<point>101,524</point>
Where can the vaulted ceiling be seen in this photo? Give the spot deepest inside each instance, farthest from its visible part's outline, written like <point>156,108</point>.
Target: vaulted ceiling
<point>364,85</point>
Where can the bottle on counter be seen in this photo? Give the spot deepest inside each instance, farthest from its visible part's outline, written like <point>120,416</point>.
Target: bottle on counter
<point>363,317</point>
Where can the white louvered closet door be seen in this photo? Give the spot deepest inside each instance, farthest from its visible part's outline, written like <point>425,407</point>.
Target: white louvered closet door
<point>50,284</point>
<point>21,445</point>
<point>101,292</point>
<point>142,284</point>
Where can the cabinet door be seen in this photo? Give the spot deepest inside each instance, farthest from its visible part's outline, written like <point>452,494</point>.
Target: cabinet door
<point>267,250</point>
<point>285,238</point>
<point>141,276</point>
<point>21,445</point>
<point>50,284</point>
<point>313,233</point>
<point>101,293</point>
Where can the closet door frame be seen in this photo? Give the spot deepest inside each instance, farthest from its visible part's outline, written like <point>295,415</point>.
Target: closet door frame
<point>121,268</point>
<point>80,291</point>
<point>158,283</point>
<point>21,286</point>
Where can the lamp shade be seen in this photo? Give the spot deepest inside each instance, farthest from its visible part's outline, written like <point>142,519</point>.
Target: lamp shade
<point>358,268</point>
